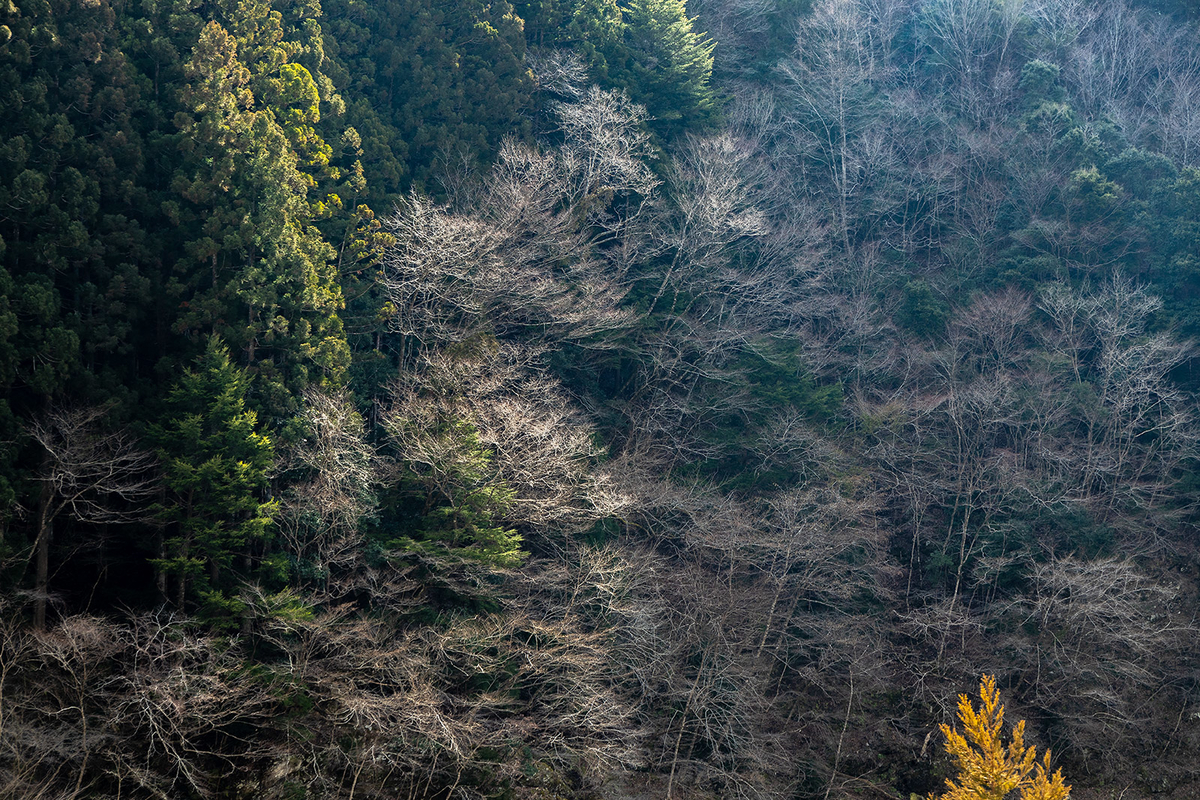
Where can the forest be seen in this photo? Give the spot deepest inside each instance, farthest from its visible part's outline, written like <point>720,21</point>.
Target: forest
<point>596,399</point>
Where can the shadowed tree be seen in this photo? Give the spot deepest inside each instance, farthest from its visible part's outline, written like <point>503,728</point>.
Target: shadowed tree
<point>87,473</point>
<point>216,465</point>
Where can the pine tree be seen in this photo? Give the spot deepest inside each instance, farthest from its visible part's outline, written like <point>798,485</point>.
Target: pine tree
<point>666,65</point>
<point>987,769</point>
<point>216,464</point>
<point>464,501</point>
<point>70,246</point>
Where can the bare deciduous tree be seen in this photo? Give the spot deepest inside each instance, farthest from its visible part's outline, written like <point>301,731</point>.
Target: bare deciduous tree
<point>94,475</point>
<point>338,472</point>
<point>524,261</point>
<point>1137,427</point>
<point>522,433</point>
<point>1107,657</point>
<point>832,77</point>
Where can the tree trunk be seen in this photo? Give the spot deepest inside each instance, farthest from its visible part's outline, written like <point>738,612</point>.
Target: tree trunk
<point>160,575</point>
<point>42,548</point>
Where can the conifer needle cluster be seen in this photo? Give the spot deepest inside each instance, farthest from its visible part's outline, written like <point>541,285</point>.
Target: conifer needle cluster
<point>988,770</point>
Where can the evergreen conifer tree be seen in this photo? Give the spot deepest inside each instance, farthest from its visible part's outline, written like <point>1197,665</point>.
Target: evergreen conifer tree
<point>216,464</point>
<point>987,769</point>
<point>260,275</point>
<point>665,65</point>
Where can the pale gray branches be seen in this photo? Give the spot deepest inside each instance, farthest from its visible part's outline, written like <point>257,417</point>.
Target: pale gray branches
<point>92,474</point>
<point>338,472</point>
<point>95,474</point>
<point>524,264</point>
<point>1108,658</point>
<point>486,420</point>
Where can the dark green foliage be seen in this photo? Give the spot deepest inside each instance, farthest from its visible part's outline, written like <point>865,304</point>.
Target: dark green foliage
<point>70,159</point>
<point>775,382</point>
<point>1039,82</point>
<point>259,273</point>
<point>922,311</point>
<point>170,173</point>
<point>597,28</point>
<point>779,380</point>
<point>1094,198</point>
<point>1175,265</point>
<point>366,313</point>
<point>215,464</point>
<point>858,398</point>
<point>437,80</point>
<point>664,64</point>
<point>462,503</point>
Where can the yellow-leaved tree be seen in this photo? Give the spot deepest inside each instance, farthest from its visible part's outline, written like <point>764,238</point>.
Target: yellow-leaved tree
<point>987,769</point>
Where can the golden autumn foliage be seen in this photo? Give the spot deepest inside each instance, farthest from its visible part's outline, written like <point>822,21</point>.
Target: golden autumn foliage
<point>987,769</point>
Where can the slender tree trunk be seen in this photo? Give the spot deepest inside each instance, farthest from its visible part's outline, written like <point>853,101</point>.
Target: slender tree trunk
<point>181,589</point>
<point>42,548</point>
<point>184,551</point>
<point>160,575</point>
<point>837,758</point>
<point>41,581</point>
<point>687,708</point>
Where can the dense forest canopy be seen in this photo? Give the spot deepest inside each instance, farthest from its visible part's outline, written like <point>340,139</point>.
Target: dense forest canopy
<point>589,399</point>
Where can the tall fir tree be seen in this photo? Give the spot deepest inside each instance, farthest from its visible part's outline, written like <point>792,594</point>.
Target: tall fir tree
<point>665,65</point>
<point>216,464</point>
